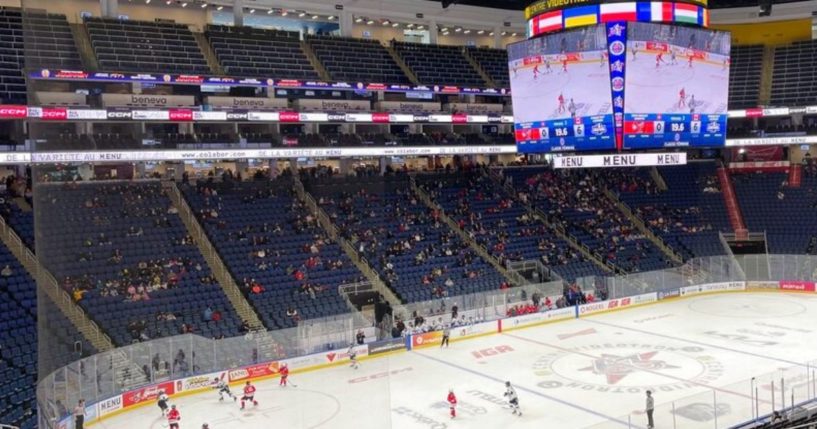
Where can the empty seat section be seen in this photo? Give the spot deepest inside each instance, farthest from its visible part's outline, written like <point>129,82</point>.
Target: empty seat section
<point>356,60</point>
<point>140,46</point>
<point>494,62</point>
<point>247,51</point>
<point>439,64</point>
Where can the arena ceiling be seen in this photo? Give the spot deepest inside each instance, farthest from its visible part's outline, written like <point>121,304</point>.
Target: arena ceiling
<point>521,4</point>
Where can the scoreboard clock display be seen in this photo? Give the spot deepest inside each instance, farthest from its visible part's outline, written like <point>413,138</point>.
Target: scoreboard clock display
<point>668,130</point>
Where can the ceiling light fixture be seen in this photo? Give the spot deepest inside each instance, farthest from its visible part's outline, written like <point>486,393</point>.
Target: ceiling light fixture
<point>370,22</point>
<point>481,32</point>
<point>491,33</point>
<point>184,4</point>
<point>466,32</point>
<point>410,25</point>
<point>314,16</point>
<point>331,17</point>
<point>504,33</point>
<point>396,24</point>
<point>513,34</point>
<point>220,8</point>
<point>147,1</point>
<point>203,5</point>
<point>358,20</point>
<point>457,30</point>
<point>420,27</point>
<point>284,13</point>
<point>302,14</point>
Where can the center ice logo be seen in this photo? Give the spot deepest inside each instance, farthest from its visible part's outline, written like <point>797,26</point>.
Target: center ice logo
<point>627,368</point>
<point>616,367</point>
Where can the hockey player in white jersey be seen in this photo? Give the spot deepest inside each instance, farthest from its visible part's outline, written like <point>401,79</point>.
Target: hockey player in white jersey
<point>161,401</point>
<point>353,356</point>
<point>223,388</point>
<point>513,400</point>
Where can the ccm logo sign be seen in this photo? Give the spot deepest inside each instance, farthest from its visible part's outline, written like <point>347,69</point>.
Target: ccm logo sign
<point>13,112</point>
<point>181,115</point>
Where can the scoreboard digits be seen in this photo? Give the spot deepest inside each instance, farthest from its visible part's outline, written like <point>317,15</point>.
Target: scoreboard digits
<point>655,130</point>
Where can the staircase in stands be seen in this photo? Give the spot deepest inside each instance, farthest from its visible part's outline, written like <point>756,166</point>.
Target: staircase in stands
<point>731,202</point>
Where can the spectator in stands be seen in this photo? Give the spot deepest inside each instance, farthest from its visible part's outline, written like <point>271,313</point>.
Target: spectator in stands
<point>292,313</point>
<point>6,271</point>
<point>360,337</point>
<point>207,315</point>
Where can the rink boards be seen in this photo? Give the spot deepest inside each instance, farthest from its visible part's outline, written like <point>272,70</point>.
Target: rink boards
<point>137,398</point>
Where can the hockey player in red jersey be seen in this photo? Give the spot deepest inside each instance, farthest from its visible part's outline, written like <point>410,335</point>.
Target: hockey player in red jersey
<point>691,56</point>
<point>536,71</point>
<point>564,64</point>
<point>284,371</point>
<point>452,403</point>
<point>249,395</point>
<point>561,100</point>
<point>682,98</point>
<point>173,417</point>
<point>659,58</point>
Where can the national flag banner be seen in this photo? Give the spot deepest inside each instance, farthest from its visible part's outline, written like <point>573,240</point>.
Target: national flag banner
<point>550,21</point>
<point>581,16</point>
<point>660,11</point>
<point>703,17</point>
<point>686,13</point>
<point>617,12</point>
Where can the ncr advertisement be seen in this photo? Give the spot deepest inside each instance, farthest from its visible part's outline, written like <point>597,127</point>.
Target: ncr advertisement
<point>677,86</point>
<point>560,86</point>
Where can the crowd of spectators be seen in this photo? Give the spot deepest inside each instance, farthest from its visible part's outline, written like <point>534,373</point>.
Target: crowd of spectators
<point>575,200</point>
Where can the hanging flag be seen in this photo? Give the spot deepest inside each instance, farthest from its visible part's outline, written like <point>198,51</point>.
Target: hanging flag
<point>550,21</point>
<point>686,13</point>
<point>581,16</point>
<point>661,11</point>
<point>618,12</point>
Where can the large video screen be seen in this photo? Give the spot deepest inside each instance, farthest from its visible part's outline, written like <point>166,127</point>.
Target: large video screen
<point>560,86</point>
<point>676,87</point>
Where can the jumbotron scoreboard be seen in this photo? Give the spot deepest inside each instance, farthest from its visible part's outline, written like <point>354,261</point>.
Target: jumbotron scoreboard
<point>619,75</point>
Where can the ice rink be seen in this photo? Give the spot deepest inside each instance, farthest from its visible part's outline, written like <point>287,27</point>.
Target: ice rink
<point>697,354</point>
<point>651,89</point>
<point>586,82</point>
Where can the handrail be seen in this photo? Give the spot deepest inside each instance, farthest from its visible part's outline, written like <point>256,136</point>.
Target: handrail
<point>537,213</point>
<point>512,276</point>
<point>641,226</point>
<point>212,258</point>
<point>45,280</point>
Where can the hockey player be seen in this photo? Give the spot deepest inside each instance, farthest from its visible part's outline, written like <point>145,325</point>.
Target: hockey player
<point>536,72</point>
<point>249,395</point>
<point>673,59</point>
<point>162,401</point>
<point>692,103</point>
<point>564,64</point>
<point>548,70</point>
<point>659,58</point>
<point>284,371</point>
<point>682,98</point>
<point>689,59</point>
<point>446,336</point>
<point>173,417</point>
<point>223,388</point>
<point>452,403</point>
<point>561,100</point>
<point>571,107</point>
<point>513,400</point>
<point>353,356</point>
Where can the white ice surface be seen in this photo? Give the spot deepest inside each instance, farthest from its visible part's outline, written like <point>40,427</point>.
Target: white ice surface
<point>698,355</point>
